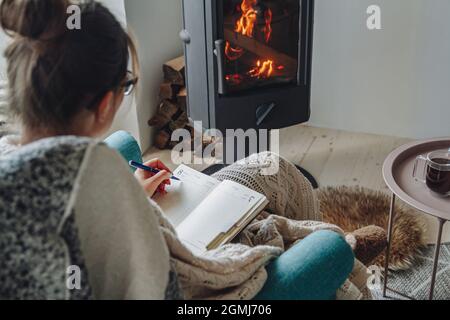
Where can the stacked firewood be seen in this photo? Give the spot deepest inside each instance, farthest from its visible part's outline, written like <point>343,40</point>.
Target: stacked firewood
<point>171,114</point>
<point>172,109</point>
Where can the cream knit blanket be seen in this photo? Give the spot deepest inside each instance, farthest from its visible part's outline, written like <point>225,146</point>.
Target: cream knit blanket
<point>237,271</point>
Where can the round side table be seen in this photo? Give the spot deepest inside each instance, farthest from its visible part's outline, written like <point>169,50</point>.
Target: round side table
<point>398,175</point>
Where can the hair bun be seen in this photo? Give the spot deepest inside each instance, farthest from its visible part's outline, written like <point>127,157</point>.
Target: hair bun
<point>34,19</point>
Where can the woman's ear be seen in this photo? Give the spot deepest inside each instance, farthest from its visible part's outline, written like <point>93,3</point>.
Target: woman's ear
<point>106,109</point>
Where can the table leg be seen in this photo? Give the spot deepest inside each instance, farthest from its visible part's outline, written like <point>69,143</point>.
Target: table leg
<point>388,249</point>
<point>436,257</point>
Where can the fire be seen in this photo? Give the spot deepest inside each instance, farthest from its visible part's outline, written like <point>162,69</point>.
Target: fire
<point>246,24</point>
<point>234,78</point>
<point>233,54</point>
<point>263,69</point>
<point>268,27</point>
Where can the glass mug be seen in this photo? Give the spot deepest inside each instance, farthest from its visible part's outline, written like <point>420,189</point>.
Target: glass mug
<point>435,172</point>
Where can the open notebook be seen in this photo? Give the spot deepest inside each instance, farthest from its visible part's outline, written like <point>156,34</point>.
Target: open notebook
<point>208,213</point>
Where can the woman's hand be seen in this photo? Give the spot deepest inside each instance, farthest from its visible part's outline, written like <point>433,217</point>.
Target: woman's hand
<point>154,183</point>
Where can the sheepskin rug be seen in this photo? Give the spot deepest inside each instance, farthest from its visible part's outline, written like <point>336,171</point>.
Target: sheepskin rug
<point>352,208</point>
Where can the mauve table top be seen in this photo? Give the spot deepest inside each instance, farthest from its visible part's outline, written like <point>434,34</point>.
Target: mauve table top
<point>397,172</point>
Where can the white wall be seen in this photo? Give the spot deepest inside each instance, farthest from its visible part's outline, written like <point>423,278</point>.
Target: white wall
<point>156,25</point>
<point>126,118</point>
<point>431,106</point>
<point>394,81</point>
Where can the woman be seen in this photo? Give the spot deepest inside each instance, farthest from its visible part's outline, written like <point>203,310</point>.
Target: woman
<point>71,83</point>
<point>70,204</point>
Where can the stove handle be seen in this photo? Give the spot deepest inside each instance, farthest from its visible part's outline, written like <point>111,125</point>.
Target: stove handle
<point>220,52</point>
<point>185,36</point>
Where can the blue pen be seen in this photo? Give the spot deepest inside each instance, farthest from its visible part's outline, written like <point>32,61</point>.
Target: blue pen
<point>138,165</point>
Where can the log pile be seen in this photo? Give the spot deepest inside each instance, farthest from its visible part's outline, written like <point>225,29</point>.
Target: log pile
<point>172,109</point>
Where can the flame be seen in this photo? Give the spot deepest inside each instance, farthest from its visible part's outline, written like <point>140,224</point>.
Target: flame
<point>233,54</point>
<point>263,69</point>
<point>246,24</point>
<point>268,28</point>
<point>234,78</point>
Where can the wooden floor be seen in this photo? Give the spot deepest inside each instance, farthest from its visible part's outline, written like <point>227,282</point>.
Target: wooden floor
<point>335,158</point>
<point>339,158</point>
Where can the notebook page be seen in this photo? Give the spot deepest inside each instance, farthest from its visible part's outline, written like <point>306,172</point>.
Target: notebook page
<point>225,206</point>
<point>183,197</point>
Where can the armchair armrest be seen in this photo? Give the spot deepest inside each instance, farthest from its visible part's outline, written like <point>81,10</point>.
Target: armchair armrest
<point>126,145</point>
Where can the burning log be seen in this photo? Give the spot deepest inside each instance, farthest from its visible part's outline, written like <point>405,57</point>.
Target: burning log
<point>260,49</point>
<point>174,71</point>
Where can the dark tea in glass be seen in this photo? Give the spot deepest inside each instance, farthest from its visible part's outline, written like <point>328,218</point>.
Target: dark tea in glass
<point>436,171</point>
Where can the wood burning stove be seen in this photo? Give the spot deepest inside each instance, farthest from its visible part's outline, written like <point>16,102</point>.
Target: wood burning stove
<point>248,62</point>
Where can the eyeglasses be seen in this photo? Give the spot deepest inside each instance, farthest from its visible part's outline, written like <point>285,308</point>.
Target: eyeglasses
<point>128,86</point>
<point>130,83</point>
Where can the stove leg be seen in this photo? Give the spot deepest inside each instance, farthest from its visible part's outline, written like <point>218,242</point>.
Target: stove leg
<point>388,249</point>
<point>436,257</point>
<point>309,177</point>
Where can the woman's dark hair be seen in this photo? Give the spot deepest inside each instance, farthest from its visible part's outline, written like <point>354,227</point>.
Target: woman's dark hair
<point>54,72</point>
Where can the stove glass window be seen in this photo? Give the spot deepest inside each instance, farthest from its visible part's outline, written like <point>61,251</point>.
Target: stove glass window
<point>261,43</point>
